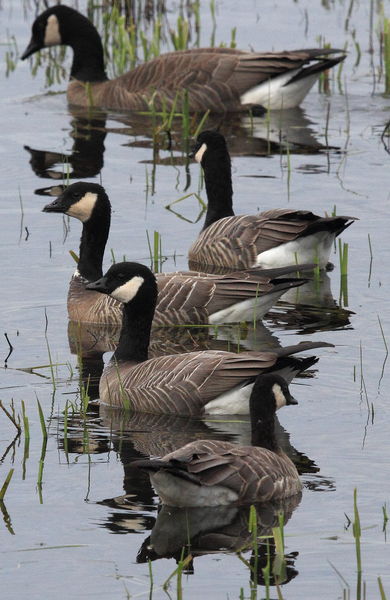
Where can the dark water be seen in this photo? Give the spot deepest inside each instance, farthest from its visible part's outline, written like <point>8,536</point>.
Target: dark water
<point>60,539</point>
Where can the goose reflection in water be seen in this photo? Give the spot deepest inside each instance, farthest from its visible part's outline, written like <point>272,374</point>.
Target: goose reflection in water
<point>310,309</point>
<point>191,532</point>
<point>88,132</point>
<point>282,131</point>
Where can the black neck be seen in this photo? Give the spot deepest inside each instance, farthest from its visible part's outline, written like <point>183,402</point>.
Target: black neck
<point>88,61</point>
<point>135,333</point>
<point>263,434</point>
<point>92,245</point>
<point>218,180</point>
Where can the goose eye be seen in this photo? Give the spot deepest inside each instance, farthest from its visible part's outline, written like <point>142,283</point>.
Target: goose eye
<point>76,195</point>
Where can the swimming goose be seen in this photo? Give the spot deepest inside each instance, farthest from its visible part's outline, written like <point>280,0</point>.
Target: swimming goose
<point>184,297</point>
<point>274,238</point>
<point>191,383</point>
<point>217,79</point>
<point>210,473</point>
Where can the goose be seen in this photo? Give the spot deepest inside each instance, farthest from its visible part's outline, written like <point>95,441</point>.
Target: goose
<point>215,382</point>
<point>184,297</point>
<point>217,79</point>
<point>213,472</point>
<point>274,238</point>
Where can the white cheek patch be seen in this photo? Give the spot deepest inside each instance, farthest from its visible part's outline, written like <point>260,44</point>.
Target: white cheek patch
<point>279,396</point>
<point>52,32</point>
<point>199,154</point>
<point>82,209</point>
<point>128,290</point>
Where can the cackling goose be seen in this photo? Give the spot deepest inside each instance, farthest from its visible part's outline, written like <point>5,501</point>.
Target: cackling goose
<point>217,79</point>
<point>212,473</point>
<point>184,297</point>
<point>274,238</point>
<point>191,383</point>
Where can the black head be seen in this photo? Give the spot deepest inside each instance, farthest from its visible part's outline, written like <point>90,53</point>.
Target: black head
<point>208,143</point>
<point>269,393</point>
<point>127,282</point>
<point>55,26</point>
<point>80,200</point>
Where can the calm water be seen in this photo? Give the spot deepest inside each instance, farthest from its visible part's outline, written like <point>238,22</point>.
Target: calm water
<point>63,539</point>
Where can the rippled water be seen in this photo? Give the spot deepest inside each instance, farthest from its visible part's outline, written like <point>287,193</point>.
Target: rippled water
<point>58,539</point>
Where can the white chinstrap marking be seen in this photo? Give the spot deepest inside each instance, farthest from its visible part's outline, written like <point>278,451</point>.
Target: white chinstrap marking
<point>127,291</point>
<point>82,209</point>
<point>199,155</point>
<point>280,398</point>
<point>52,32</point>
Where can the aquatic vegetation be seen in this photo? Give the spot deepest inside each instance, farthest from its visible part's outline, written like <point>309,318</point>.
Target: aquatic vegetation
<point>386,53</point>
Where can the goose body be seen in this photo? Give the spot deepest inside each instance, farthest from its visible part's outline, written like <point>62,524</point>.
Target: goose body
<point>213,472</point>
<point>184,297</point>
<point>191,383</point>
<point>273,238</point>
<point>216,79</point>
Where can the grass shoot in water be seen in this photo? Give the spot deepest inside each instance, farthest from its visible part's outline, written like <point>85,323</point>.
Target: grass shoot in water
<point>343,256</point>
<point>66,445</point>
<point>6,484</point>
<point>178,572</point>
<point>381,589</point>
<point>253,530</point>
<point>11,55</point>
<point>155,252</point>
<point>385,518</point>
<point>386,53</point>
<point>279,562</point>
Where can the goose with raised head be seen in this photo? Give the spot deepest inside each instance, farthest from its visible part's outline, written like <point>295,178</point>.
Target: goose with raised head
<point>191,383</point>
<point>213,472</point>
<point>274,238</point>
<point>184,297</point>
<point>216,79</point>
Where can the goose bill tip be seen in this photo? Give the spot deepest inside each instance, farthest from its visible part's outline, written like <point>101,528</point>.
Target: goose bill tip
<point>97,286</point>
<point>31,48</point>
